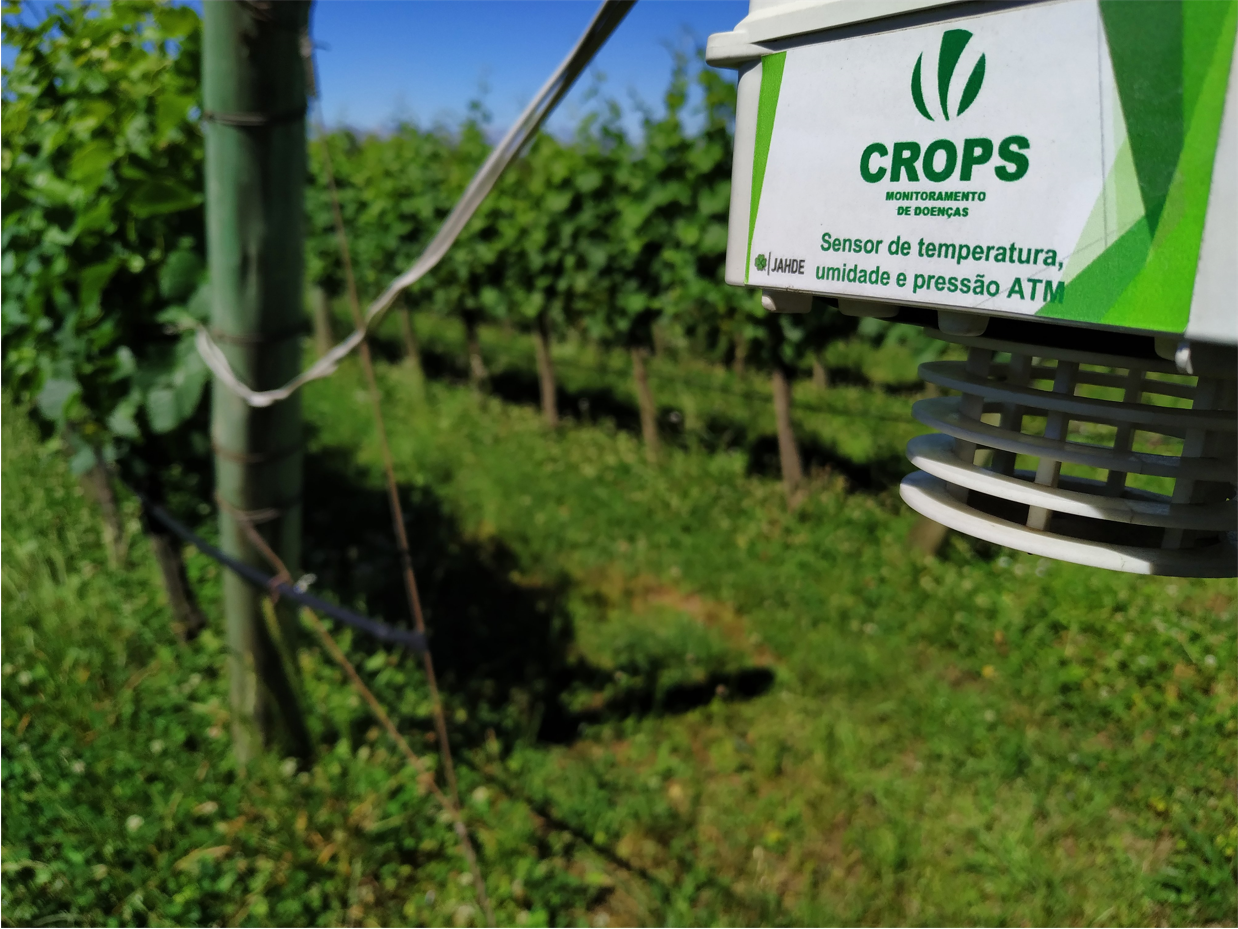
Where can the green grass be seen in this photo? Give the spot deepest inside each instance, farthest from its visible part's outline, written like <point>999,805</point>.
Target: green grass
<point>121,801</point>
<point>672,700</point>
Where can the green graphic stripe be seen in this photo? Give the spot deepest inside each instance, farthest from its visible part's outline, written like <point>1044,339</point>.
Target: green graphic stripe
<point>771,83</point>
<point>1118,207</point>
<point>1145,46</point>
<point>1098,286</point>
<point>1145,279</point>
<point>1202,22</point>
<point>1160,297</point>
<point>972,87</point>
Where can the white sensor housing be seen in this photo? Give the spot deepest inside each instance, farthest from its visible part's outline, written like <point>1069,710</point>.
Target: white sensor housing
<point>1052,186</point>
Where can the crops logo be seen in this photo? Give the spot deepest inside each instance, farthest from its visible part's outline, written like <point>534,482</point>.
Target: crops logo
<point>760,262</point>
<point>952,45</point>
<point>906,161</point>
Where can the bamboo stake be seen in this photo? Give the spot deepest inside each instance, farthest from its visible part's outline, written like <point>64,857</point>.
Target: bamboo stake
<point>412,350</point>
<point>401,534</point>
<point>320,310</point>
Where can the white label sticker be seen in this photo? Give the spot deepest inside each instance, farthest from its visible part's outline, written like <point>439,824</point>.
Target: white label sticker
<point>958,164</point>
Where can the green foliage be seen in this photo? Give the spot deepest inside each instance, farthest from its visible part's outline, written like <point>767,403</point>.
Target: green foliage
<point>596,234</point>
<point>469,279</point>
<point>673,199</point>
<point>103,224</point>
<point>559,212</point>
<point>393,194</point>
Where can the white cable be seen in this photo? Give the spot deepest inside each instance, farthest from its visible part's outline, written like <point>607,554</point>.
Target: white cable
<point>608,16</point>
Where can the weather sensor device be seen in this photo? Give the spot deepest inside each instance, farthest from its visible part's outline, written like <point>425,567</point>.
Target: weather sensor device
<point>1050,185</point>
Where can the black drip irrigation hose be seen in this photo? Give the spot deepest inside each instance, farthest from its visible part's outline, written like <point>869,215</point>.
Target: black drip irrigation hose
<point>414,641</point>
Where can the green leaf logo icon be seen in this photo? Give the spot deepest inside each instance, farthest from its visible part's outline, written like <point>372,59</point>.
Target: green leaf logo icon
<point>760,262</point>
<point>952,45</point>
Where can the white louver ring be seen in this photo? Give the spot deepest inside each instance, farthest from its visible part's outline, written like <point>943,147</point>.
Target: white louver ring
<point>999,466</point>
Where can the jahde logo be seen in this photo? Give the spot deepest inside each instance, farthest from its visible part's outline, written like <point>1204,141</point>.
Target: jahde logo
<point>771,264</point>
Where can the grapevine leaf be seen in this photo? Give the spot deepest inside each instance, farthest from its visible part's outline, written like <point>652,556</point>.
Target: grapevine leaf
<point>55,396</point>
<point>90,163</point>
<point>180,274</point>
<point>171,112</point>
<point>91,283</point>
<point>158,196</point>
<point>83,460</point>
<point>161,409</point>
<point>176,22</point>
<point>123,420</point>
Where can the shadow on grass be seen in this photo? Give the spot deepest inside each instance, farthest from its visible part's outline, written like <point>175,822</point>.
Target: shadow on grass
<point>584,405</point>
<point>503,648</point>
<point>867,477</point>
<point>757,909</point>
<point>718,433</point>
<point>503,644</point>
<point>649,699</point>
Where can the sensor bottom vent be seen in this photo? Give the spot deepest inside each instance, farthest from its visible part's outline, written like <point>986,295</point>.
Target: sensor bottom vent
<point>1102,460</point>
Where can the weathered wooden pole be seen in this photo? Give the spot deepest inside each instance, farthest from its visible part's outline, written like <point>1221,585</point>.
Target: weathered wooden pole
<point>780,382</point>
<point>788,448</point>
<point>644,398</point>
<point>320,311</point>
<point>254,100</point>
<point>546,370</point>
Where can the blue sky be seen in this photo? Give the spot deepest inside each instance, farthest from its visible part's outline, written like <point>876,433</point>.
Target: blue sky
<point>424,60</point>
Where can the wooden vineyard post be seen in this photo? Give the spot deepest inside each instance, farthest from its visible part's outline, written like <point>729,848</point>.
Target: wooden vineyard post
<point>788,449</point>
<point>820,376</point>
<point>546,370</point>
<point>648,409</point>
<point>254,101</point>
